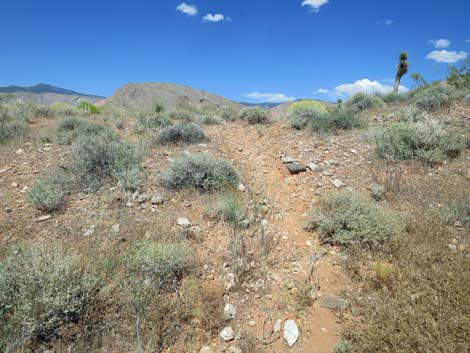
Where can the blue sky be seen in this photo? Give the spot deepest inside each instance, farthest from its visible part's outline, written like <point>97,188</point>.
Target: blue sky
<point>243,49</point>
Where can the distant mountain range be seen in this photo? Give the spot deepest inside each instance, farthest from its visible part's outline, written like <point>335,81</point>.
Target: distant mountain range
<point>47,94</point>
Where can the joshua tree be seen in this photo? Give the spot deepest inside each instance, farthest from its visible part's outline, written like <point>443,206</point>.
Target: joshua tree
<point>401,71</point>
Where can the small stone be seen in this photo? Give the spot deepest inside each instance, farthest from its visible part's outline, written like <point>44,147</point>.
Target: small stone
<point>277,325</point>
<point>275,276</point>
<point>227,334</point>
<point>206,349</point>
<point>457,224</point>
<point>353,151</point>
<point>115,228</point>
<point>241,187</point>
<point>43,218</point>
<point>291,332</point>
<point>287,160</point>
<point>143,198</point>
<point>19,151</point>
<point>259,284</point>
<point>314,167</point>
<point>252,323</point>
<point>90,231</point>
<point>229,311</point>
<point>183,222</point>
<point>338,183</point>
<point>14,185</point>
<point>296,168</point>
<point>234,349</point>
<point>157,200</point>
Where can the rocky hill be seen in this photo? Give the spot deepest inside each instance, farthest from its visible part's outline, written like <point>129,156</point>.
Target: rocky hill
<point>144,96</point>
<point>45,94</point>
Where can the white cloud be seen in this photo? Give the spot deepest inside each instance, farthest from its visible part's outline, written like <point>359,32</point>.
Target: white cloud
<point>440,43</point>
<point>213,18</point>
<point>315,4</point>
<point>467,40</point>
<point>269,97</point>
<point>448,57</point>
<point>189,10</point>
<point>361,86</point>
<point>388,22</point>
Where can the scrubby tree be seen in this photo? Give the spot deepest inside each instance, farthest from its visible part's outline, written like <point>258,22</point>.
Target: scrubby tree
<point>459,77</point>
<point>401,71</point>
<point>419,79</point>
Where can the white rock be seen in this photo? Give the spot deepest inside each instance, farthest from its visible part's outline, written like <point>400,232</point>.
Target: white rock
<point>19,151</point>
<point>338,183</point>
<point>241,187</point>
<point>206,349</point>
<point>90,231</point>
<point>291,332</point>
<point>157,200</point>
<point>227,334</point>
<point>252,323</point>
<point>278,325</point>
<point>183,222</point>
<point>115,228</point>
<point>229,311</point>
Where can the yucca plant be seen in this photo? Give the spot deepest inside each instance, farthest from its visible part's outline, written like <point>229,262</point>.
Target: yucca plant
<point>401,71</point>
<point>88,107</point>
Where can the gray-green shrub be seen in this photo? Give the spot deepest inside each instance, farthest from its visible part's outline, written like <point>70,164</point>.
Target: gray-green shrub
<point>434,97</point>
<point>364,101</point>
<point>11,128</point>
<point>199,171</point>
<point>42,289</point>
<point>348,218</point>
<point>254,116</point>
<point>102,158</point>
<point>150,122</point>
<point>186,133</point>
<point>335,119</point>
<point>49,194</point>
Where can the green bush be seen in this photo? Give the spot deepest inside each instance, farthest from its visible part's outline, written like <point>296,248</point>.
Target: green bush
<point>377,192</point>
<point>199,171</point>
<point>303,115</point>
<point>434,97</point>
<point>13,130</point>
<point>306,106</point>
<point>254,116</point>
<point>210,120</point>
<point>190,133</point>
<point>50,192</point>
<point>88,107</point>
<point>41,291</point>
<point>227,209</point>
<point>102,158</point>
<point>348,218</point>
<point>161,262</point>
<point>70,128</point>
<point>62,109</point>
<point>395,98</point>
<point>427,142</point>
<point>149,122</point>
<point>363,101</point>
<point>336,119</point>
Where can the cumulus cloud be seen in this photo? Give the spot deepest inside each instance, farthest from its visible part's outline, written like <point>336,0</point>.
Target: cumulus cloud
<point>361,86</point>
<point>440,43</point>
<point>467,40</point>
<point>189,10</point>
<point>447,57</point>
<point>386,22</point>
<point>315,4</point>
<point>269,97</point>
<point>213,18</point>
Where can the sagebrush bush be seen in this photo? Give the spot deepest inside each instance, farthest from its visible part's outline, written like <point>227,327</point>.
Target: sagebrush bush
<point>434,97</point>
<point>227,209</point>
<point>163,263</point>
<point>150,122</point>
<point>210,120</point>
<point>349,218</point>
<point>427,142</point>
<point>336,119</point>
<point>190,133</point>
<point>11,127</point>
<point>41,291</point>
<point>254,116</point>
<point>102,158</point>
<point>302,115</point>
<point>62,109</point>
<point>304,107</point>
<point>49,194</point>
<point>364,101</point>
<point>395,98</point>
<point>199,171</point>
<point>70,128</point>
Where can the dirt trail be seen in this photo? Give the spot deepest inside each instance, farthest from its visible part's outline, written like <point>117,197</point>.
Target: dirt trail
<point>257,151</point>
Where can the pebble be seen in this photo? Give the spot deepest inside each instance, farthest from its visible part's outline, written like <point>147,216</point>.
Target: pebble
<point>183,222</point>
<point>291,332</point>
<point>227,334</point>
<point>229,311</point>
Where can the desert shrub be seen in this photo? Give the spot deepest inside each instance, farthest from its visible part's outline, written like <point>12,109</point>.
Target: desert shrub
<point>227,209</point>
<point>88,107</point>
<point>377,192</point>
<point>199,171</point>
<point>336,119</point>
<point>149,122</point>
<point>306,106</point>
<point>190,133</point>
<point>41,291</point>
<point>62,109</point>
<point>254,116</point>
<point>434,97</point>
<point>230,114</point>
<point>210,120</point>
<point>427,307</point>
<point>12,129</point>
<point>50,192</point>
<point>364,101</point>
<point>70,128</point>
<point>348,218</point>
<point>163,263</point>
<point>102,158</point>
<point>395,98</point>
<point>343,347</point>
<point>427,142</point>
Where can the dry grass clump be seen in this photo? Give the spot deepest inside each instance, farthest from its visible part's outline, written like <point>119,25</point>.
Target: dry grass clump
<point>42,289</point>
<point>183,133</point>
<point>199,171</point>
<point>349,218</point>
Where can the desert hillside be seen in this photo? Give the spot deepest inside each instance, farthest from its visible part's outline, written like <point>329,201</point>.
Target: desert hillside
<point>144,96</point>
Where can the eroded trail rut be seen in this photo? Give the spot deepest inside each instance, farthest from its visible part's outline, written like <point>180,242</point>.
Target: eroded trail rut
<point>256,152</point>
